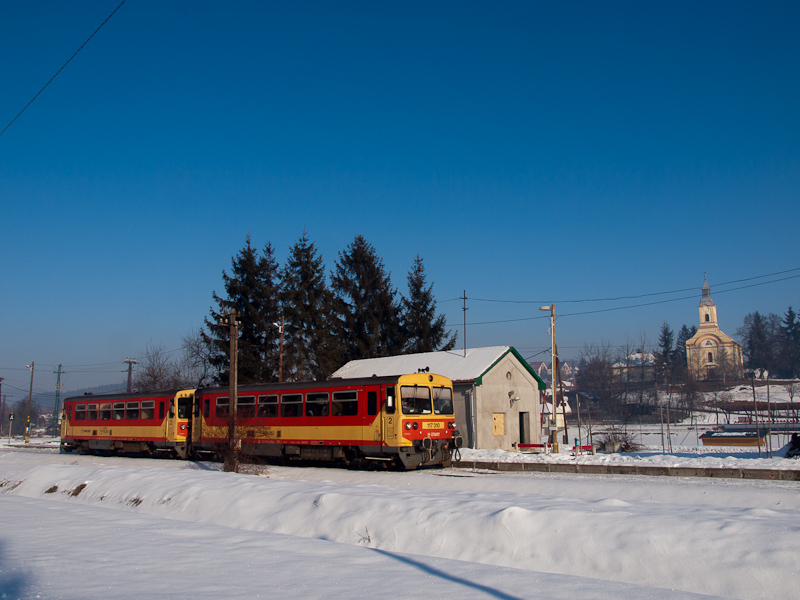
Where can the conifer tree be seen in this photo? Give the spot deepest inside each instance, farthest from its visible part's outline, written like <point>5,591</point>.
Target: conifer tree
<point>309,349</point>
<point>665,357</point>
<point>790,345</point>
<point>251,289</point>
<point>423,330</point>
<point>367,312</point>
<point>681,364</point>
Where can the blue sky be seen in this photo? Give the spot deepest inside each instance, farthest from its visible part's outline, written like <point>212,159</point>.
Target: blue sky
<point>528,151</point>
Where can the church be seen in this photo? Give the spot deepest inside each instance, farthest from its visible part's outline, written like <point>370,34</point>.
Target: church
<point>711,354</point>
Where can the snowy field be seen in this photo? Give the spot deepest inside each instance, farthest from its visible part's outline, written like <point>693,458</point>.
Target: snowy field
<point>74,527</point>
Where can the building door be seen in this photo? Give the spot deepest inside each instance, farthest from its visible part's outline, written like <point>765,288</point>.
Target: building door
<point>524,428</point>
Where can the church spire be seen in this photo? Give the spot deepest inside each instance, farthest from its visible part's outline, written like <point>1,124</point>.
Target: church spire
<point>706,289</point>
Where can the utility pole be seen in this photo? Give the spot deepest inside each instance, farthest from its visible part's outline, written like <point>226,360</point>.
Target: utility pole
<point>2,412</point>
<point>553,374</point>
<point>30,403</point>
<point>130,362</point>
<point>56,405</point>
<point>234,444</point>
<point>465,309</point>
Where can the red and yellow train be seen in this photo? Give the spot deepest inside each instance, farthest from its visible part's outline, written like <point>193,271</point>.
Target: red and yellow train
<point>406,420</point>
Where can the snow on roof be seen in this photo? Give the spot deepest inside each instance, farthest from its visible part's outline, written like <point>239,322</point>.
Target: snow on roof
<point>452,364</point>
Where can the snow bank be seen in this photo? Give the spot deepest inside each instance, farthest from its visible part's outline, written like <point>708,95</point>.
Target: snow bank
<point>622,530</point>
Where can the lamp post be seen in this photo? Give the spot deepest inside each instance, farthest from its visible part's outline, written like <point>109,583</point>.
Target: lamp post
<point>30,403</point>
<point>280,327</point>
<point>552,310</point>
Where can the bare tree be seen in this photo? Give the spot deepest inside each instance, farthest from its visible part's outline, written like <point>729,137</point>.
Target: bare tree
<point>195,362</point>
<point>155,370</point>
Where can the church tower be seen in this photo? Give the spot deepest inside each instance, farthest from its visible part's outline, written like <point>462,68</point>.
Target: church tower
<point>710,354</point>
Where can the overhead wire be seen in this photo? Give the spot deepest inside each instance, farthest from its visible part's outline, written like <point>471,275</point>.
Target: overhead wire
<point>62,68</point>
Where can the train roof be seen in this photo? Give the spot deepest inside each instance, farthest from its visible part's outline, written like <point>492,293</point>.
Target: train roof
<point>301,385</point>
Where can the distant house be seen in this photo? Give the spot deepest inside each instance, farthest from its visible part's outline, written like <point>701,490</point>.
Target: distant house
<point>497,394</point>
<point>637,366</point>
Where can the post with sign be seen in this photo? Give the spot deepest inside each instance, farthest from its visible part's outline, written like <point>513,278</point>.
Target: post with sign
<point>10,427</point>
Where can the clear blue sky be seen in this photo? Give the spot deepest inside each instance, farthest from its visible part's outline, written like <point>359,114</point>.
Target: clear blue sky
<point>528,151</point>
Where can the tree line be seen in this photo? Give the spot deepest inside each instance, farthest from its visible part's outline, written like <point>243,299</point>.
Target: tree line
<point>324,319</point>
<point>772,343</point>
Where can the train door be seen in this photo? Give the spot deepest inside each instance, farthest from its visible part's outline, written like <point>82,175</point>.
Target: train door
<point>199,411</point>
<point>179,422</point>
<point>390,422</point>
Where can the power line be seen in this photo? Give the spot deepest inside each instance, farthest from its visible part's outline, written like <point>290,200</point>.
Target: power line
<point>602,310</point>
<point>716,288</point>
<point>62,67</point>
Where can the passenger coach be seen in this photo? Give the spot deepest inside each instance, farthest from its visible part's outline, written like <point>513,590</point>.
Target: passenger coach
<point>407,420</point>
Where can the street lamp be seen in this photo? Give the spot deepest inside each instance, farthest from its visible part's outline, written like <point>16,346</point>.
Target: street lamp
<point>280,327</point>
<point>30,402</point>
<point>552,310</point>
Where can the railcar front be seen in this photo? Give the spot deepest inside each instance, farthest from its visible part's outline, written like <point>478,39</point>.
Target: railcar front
<point>418,421</point>
<point>128,423</point>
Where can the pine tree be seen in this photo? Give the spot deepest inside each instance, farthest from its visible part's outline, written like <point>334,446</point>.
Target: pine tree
<point>681,364</point>
<point>665,357</point>
<point>758,340</point>
<point>252,290</point>
<point>309,348</point>
<point>368,314</point>
<point>423,330</point>
<point>789,343</point>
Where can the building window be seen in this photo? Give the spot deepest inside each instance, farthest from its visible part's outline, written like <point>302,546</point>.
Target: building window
<point>708,318</point>
<point>710,357</point>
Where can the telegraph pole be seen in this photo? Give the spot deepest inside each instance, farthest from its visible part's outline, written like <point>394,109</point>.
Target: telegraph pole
<point>56,405</point>
<point>2,413</point>
<point>130,362</point>
<point>30,403</point>
<point>465,309</point>
<point>234,444</point>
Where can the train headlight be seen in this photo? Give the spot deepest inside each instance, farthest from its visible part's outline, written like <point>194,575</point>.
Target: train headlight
<point>451,425</point>
<point>408,425</point>
<point>415,425</point>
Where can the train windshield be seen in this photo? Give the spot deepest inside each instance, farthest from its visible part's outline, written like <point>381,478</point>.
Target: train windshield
<point>415,400</point>
<point>443,401</point>
<point>184,408</point>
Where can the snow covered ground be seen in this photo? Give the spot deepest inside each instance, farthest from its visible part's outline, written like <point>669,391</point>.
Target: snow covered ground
<point>89,527</point>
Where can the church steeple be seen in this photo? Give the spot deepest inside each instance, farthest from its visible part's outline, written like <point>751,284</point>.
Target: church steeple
<point>708,310</point>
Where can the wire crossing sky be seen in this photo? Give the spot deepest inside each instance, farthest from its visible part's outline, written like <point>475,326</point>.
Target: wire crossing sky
<point>530,152</point>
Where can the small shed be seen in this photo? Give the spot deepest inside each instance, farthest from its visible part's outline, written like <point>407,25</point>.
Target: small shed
<point>498,401</point>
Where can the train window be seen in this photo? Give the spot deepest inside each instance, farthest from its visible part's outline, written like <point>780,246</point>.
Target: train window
<point>105,412</point>
<point>415,400</point>
<point>80,412</point>
<point>161,410</point>
<point>184,408</point>
<point>443,401</point>
<point>291,405</point>
<point>345,404</point>
<point>148,409</point>
<point>119,411</point>
<point>372,403</point>
<point>206,407</point>
<point>246,406</point>
<point>91,412</point>
<point>268,406</point>
<point>317,404</point>
<point>390,403</point>
<point>222,406</point>
<point>131,410</point>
